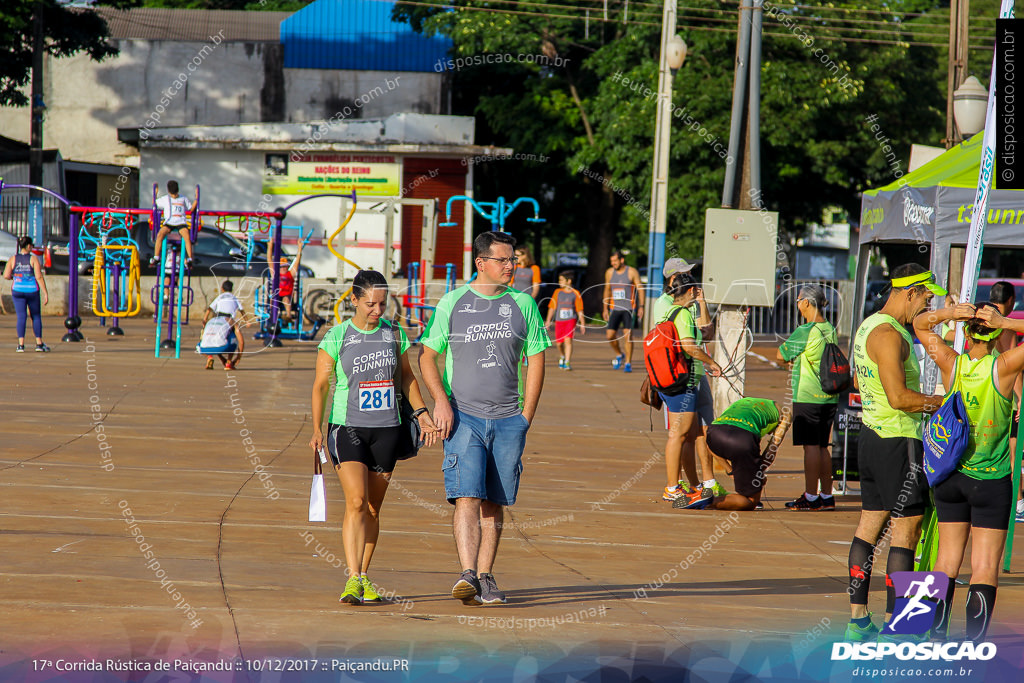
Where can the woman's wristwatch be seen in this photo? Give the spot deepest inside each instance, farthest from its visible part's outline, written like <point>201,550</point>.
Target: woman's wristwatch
<point>417,413</point>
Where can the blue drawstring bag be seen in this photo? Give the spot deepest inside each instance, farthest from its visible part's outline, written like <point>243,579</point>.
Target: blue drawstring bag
<point>946,435</point>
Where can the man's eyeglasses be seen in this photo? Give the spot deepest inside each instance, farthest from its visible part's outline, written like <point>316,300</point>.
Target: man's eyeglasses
<point>512,260</point>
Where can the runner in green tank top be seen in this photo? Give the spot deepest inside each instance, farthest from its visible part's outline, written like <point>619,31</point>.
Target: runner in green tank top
<point>977,499</point>
<point>889,449</point>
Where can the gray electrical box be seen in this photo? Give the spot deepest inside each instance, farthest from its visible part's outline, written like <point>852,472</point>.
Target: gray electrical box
<point>739,256</point>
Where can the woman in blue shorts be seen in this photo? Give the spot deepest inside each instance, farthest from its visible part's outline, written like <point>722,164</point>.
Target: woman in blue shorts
<point>365,436</point>
<point>682,408</point>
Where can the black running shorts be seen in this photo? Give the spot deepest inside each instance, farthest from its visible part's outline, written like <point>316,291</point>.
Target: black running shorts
<point>812,424</point>
<point>376,447</point>
<point>743,450</point>
<point>619,318</point>
<point>984,503</point>
<point>891,476</point>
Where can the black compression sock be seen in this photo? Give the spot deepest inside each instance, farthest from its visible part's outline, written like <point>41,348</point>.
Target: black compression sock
<point>900,560</point>
<point>862,558</point>
<point>940,627</point>
<point>981,599</point>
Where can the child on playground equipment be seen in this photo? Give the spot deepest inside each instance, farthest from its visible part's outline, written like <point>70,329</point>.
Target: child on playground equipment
<point>287,286</point>
<point>174,211</point>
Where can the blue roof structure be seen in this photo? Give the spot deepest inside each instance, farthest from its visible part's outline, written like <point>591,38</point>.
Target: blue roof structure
<point>357,35</point>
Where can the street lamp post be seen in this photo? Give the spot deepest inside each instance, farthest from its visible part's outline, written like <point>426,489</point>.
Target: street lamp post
<point>970,102</point>
<point>673,53</point>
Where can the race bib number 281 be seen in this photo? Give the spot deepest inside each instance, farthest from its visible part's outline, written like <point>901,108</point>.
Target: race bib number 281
<point>376,396</point>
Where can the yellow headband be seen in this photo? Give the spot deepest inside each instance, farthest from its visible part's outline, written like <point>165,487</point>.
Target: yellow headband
<point>925,279</point>
<point>986,337</point>
<point>911,280</point>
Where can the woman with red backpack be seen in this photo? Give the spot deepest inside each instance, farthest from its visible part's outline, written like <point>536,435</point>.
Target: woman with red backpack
<point>678,388</point>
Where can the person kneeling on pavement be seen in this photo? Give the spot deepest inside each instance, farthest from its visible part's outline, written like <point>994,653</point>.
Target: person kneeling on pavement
<point>736,437</point>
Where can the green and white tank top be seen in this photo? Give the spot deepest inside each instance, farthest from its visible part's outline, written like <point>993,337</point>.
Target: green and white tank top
<point>988,449</point>
<point>879,415</point>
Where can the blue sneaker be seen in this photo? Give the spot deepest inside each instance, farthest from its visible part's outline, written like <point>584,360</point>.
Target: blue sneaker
<point>628,367</point>
<point>692,501</point>
<point>860,634</point>
<point>617,363</point>
<point>561,363</point>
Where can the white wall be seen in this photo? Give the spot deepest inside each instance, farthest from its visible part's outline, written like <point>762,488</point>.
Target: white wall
<point>87,101</point>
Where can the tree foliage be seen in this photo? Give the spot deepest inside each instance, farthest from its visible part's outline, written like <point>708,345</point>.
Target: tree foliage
<point>818,148</point>
<point>67,32</point>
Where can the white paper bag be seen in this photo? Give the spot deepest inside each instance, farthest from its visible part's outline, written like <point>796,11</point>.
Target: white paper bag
<point>317,494</point>
<point>317,500</point>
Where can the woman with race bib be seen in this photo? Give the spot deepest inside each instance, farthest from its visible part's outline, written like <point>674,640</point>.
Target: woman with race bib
<point>365,435</point>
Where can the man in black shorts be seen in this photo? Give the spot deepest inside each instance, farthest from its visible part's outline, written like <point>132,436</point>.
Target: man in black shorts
<point>621,287</point>
<point>892,480</point>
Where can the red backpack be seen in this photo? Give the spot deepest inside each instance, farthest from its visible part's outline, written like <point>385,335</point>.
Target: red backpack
<point>668,366</point>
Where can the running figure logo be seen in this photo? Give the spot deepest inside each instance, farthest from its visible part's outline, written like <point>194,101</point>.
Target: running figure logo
<point>491,360</point>
<point>917,596</point>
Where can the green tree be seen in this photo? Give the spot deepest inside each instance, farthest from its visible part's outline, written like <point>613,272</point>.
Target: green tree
<point>67,32</point>
<point>818,150</point>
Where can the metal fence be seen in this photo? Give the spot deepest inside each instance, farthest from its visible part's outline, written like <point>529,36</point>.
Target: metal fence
<point>14,215</point>
<point>778,322</point>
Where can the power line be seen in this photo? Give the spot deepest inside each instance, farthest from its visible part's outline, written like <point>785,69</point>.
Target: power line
<point>839,33</point>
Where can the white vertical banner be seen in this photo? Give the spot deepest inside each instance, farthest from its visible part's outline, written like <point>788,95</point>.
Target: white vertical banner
<point>979,218</point>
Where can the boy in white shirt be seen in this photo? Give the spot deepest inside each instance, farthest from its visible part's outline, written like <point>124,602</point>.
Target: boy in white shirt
<point>174,213</point>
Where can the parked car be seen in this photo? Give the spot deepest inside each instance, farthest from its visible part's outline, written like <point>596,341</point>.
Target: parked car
<point>8,247</point>
<point>215,253</point>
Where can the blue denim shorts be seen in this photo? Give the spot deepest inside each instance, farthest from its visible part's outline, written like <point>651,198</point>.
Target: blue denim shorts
<point>705,402</point>
<point>685,402</point>
<point>483,458</point>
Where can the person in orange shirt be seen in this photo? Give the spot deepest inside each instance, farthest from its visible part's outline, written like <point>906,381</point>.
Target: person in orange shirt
<point>566,310</point>
<point>527,274</point>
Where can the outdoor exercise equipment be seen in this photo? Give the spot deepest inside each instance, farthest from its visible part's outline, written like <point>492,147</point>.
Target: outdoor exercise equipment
<point>105,238</point>
<point>294,329</point>
<point>174,281</point>
<point>495,212</point>
<point>279,214</point>
<point>414,301</point>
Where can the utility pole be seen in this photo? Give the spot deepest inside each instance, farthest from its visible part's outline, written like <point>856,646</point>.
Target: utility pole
<point>957,65</point>
<point>742,190</point>
<point>35,154</point>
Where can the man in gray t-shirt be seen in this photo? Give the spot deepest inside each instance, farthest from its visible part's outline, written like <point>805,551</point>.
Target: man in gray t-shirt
<point>484,403</point>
